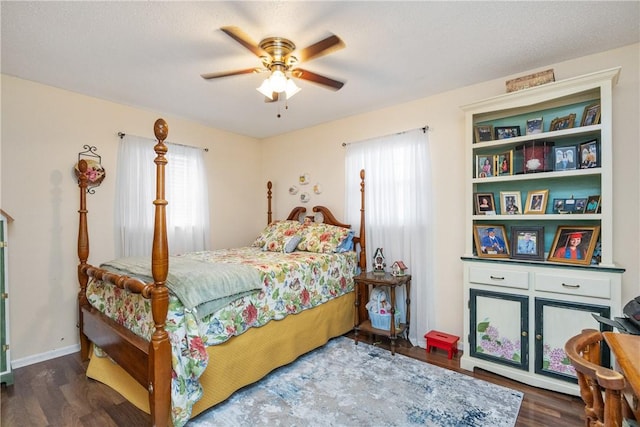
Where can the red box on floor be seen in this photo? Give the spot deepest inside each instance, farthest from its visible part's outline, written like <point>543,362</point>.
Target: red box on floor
<point>444,341</point>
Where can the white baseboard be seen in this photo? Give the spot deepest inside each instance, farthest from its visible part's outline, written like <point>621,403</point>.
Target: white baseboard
<point>36,358</point>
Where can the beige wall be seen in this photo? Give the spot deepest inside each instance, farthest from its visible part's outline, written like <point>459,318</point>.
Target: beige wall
<point>44,128</point>
<point>319,152</point>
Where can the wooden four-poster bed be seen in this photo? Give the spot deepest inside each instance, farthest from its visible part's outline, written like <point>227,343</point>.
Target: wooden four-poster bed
<point>138,319</point>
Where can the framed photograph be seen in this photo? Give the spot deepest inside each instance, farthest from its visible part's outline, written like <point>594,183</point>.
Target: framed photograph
<point>574,244</point>
<point>527,243</point>
<point>566,158</point>
<point>504,163</point>
<point>536,202</point>
<point>589,154</point>
<point>534,126</point>
<point>510,203</point>
<point>483,133</point>
<point>558,206</point>
<point>484,203</point>
<point>591,115</point>
<point>491,241</point>
<point>485,165</point>
<point>504,132</point>
<point>593,203</point>
<point>566,122</point>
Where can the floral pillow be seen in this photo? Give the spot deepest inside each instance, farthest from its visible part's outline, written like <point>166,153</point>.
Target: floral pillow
<point>322,238</point>
<point>277,231</point>
<point>282,244</point>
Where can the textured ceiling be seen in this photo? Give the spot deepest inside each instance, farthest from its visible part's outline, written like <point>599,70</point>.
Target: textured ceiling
<point>151,54</point>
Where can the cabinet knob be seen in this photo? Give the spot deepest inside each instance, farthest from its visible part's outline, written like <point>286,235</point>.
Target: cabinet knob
<point>539,337</point>
<point>524,333</point>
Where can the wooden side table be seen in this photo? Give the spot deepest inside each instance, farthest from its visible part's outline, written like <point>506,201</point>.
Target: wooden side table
<point>362,321</point>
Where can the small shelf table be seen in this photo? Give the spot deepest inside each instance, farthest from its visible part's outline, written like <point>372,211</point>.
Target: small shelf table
<point>362,321</point>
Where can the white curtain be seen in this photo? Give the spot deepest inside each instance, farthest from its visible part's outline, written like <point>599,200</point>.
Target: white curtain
<point>185,191</point>
<point>398,212</point>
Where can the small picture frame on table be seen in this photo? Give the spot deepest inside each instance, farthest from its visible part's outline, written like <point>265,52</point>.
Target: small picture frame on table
<point>504,163</point>
<point>510,203</point>
<point>593,203</point>
<point>483,133</point>
<point>574,244</point>
<point>534,126</point>
<point>560,123</point>
<point>491,241</point>
<point>566,158</point>
<point>527,243</point>
<point>505,132</point>
<point>484,204</point>
<point>589,154</point>
<point>591,115</point>
<point>485,165</point>
<point>536,202</point>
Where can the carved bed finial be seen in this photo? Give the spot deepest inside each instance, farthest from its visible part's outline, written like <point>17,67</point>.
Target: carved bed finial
<point>161,129</point>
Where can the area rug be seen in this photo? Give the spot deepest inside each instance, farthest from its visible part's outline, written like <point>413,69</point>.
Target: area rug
<point>343,384</point>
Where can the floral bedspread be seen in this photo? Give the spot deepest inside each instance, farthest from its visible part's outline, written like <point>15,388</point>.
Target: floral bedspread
<point>292,283</point>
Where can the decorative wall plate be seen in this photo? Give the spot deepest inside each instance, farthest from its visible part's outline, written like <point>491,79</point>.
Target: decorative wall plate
<point>317,188</point>
<point>293,190</point>
<point>304,179</point>
<point>305,197</point>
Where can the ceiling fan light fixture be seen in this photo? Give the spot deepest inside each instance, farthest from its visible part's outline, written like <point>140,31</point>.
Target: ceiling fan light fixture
<point>291,88</point>
<point>278,81</point>
<point>265,89</point>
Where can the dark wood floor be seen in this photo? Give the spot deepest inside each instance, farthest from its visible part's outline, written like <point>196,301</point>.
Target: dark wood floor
<point>57,393</point>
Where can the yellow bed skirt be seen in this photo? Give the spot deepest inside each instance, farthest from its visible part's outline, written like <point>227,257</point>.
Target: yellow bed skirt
<point>247,358</point>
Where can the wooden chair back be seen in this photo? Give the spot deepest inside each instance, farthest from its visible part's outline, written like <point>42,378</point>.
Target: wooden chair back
<point>600,387</point>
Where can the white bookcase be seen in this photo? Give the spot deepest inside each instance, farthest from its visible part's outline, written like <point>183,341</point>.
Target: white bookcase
<point>520,312</point>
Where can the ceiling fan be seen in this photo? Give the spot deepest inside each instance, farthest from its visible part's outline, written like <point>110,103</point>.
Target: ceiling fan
<point>277,56</point>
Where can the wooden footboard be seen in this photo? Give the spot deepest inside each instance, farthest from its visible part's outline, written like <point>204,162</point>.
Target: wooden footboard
<point>149,362</point>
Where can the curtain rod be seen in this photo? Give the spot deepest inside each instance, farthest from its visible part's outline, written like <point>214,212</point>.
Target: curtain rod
<point>424,128</point>
<point>122,135</point>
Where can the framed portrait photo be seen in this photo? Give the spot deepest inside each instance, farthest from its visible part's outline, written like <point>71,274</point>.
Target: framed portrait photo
<point>504,163</point>
<point>566,158</point>
<point>483,133</point>
<point>484,203</point>
<point>534,126</point>
<point>593,203</point>
<point>536,202</point>
<point>574,244</point>
<point>527,243</point>
<point>591,115</point>
<point>510,203</point>
<point>485,165</point>
<point>559,123</point>
<point>589,153</point>
<point>504,132</point>
<point>491,241</point>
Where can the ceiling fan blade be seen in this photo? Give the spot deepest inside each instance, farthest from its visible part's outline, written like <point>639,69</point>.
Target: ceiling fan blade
<point>231,73</point>
<point>241,37</point>
<point>321,48</point>
<point>317,78</point>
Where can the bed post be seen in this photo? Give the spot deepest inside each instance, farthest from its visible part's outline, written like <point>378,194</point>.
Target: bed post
<point>269,185</point>
<point>363,247</point>
<point>83,255</point>
<point>159,347</point>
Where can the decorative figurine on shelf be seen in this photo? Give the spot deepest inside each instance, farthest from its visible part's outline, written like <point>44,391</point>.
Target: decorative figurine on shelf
<point>378,262</point>
<point>398,268</point>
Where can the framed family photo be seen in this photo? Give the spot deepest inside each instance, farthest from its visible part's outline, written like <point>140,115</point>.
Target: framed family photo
<point>591,115</point>
<point>566,158</point>
<point>589,154</point>
<point>484,203</point>
<point>504,163</point>
<point>485,166</point>
<point>527,243</point>
<point>534,126</point>
<point>593,203</point>
<point>491,241</point>
<point>566,122</point>
<point>504,132</point>
<point>574,244</point>
<point>483,133</point>
<point>536,202</point>
<point>510,203</point>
